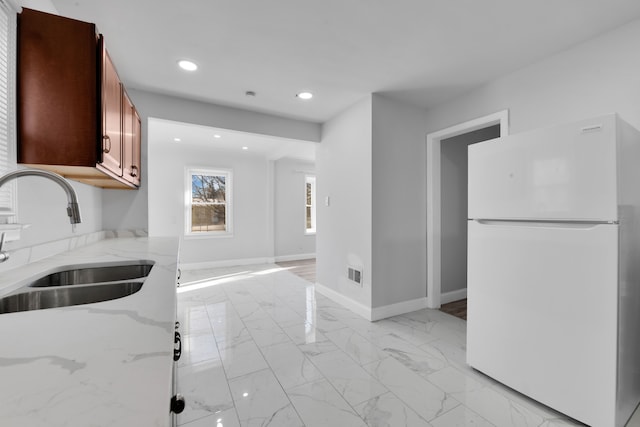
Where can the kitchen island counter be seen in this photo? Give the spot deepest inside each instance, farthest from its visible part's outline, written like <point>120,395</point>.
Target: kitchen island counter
<point>101,364</point>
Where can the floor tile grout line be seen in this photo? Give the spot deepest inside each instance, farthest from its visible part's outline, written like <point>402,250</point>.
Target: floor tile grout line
<point>308,382</point>
<point>269,367</point>
<point>224,369</point>
<point>357,362</point>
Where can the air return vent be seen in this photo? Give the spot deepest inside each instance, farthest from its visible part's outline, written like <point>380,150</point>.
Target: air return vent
<point>354,275</point>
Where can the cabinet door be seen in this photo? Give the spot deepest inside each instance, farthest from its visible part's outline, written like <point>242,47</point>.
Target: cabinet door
<point>137,148</point>
<point>130,141</point>
<point>58,104</point>
<point>111,117</point>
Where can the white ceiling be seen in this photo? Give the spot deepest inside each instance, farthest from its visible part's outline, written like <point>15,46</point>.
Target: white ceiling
<point>422,51</point>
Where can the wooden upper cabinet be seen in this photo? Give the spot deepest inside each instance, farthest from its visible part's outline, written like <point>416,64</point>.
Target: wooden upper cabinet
<point>57,101</point>
<point>130,137</point>
<point>71,117</point>
<point>112,117</point>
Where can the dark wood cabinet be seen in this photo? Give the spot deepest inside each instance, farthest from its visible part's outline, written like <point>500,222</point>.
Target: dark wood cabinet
<point>131,127</point>
<point>112,116</point>
<point>72,117</point>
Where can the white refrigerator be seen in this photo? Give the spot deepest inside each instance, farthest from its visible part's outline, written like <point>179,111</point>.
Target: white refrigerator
<point>554,266</point>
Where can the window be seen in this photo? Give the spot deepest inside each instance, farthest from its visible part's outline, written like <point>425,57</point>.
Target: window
<point>208,202</point>
<point>310,211</point>
<point>7,109</point>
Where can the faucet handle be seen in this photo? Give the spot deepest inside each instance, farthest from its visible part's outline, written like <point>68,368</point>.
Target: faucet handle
<point>3,255</point>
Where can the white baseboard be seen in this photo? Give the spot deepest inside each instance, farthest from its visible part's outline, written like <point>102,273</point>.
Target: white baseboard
<point>372,314</point>
<point>398,308</point>
<point>347,302</point>
<point>243,261</point>
<point>225,263</point>
<point>295,257</point>
<point>456,295</point>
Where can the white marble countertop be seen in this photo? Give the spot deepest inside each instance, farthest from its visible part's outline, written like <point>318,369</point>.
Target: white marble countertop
<point>100,364</point>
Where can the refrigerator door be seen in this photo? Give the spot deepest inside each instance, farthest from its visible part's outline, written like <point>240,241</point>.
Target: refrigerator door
<point>542,313</point>
<point>562,173</point>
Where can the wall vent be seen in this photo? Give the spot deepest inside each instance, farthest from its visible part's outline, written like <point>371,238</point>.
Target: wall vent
<point>355,275</point>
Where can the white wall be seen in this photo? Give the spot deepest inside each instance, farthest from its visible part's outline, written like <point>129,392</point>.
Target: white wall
<point>43,205</point>
<point>187,111</point>
<point>399,209</point>
<point>290,187</point>
<point>129,209</point>
<point>593,78</point>
<point>249,199</point>
<point>343,166</point>
<point>43,5</point>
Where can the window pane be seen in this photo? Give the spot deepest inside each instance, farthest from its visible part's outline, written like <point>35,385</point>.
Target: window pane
<point>208,188</point>
<point>309,223</point>
<point>208,218</point>
<point>308,194</point>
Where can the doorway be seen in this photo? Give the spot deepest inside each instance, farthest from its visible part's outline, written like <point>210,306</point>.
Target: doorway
<point>434,196</point>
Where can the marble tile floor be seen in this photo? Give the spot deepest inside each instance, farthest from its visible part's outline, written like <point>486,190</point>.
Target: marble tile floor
<point>262,348</point>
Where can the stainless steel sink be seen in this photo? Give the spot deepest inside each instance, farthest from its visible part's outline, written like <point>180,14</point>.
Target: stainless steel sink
<point>95,274</point>
<point>67,296</point>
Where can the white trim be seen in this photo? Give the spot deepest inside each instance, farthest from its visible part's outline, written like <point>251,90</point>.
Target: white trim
<point>243,261</point>
<point>452,296</point>
<point>396,309</point>
<point>372,314</point>
<point>225,263</point>
<point>347,302</point>
<point>433,194</point>
<point>295,257</point>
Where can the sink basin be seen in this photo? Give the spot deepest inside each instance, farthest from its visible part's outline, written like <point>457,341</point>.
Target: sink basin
<point>64,297</point>
<point>95,274</point>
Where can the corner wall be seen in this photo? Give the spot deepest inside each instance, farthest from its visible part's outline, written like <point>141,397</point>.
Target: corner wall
<point>398,208</point>
<point>343,166</point>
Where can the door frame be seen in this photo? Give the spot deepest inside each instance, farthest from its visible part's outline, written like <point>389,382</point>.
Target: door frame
<point>434,232</point>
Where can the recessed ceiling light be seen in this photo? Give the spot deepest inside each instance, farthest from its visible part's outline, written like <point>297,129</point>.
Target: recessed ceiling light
<point>245,148</point>
<point>187,65</point>
<point>305,95</point>
<point>217,136</point>
<point>177,139</point>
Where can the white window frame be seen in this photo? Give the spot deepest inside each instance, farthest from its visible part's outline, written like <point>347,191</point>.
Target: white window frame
<point>228,174</point>
<point>310,179</point>
<point>8,57</point>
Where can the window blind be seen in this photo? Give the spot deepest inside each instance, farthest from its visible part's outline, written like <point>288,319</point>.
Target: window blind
<point>7,108</point>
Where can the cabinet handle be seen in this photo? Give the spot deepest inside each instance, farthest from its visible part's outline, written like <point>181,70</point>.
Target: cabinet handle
<point>177,403</point>
<point>134,171</point>
<point>107,138</point>
<point>177,347</point>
